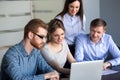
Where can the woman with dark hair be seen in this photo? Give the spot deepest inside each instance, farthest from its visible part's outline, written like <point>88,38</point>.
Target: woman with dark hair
<point>56,50</point>
<point>73,19</point>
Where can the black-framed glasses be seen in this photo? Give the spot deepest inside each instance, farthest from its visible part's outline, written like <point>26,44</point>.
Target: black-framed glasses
<point>41,37</point>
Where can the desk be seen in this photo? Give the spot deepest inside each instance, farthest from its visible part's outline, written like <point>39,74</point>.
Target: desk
<point>115,76</point>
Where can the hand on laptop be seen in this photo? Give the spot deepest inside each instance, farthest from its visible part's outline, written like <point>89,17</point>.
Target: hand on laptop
<point>106,65</point>
<point>52,75</point>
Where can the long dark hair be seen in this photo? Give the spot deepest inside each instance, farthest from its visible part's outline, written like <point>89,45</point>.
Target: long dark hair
<point>65,9</point>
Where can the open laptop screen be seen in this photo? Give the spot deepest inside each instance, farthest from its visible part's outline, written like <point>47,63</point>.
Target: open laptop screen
<point>88,70</point>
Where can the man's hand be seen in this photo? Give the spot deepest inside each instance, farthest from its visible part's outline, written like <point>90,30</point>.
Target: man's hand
<point>52,75</point>
<point>106,65</point>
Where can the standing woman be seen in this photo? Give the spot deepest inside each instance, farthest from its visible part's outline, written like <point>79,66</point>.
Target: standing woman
<point>56,50</point>
<point>73,19</point>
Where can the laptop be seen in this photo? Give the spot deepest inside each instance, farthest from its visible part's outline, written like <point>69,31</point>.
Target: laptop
<point>87,70</point>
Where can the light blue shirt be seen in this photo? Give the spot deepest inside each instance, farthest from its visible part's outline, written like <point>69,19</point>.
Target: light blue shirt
<point>18,65</point>
<point>86,50</point>
<point>73,26</point>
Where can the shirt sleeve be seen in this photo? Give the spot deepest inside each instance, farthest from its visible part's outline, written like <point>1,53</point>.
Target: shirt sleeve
<point>43,66</point>
<point>114,50</point>
<point>84,22</point>
<point>59,17</point>
<point>11,67</point>
<point>79,52</point>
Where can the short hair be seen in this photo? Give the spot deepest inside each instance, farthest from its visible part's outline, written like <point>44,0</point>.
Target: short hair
<point>33,26</point>
<point>53,25</point>
<point>98,22</point>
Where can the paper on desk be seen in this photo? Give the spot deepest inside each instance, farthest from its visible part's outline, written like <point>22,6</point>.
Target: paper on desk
<point>109,71</point>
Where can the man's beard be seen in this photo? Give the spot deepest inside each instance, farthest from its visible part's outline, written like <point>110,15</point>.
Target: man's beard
<point>37,45</point>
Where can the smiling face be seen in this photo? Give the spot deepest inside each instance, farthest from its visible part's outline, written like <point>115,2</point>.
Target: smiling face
<point>96,33</point>
<point>58,36</point>
<point>73,8</point>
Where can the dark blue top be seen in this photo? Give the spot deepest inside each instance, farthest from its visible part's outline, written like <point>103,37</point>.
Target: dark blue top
<point>18,65</point>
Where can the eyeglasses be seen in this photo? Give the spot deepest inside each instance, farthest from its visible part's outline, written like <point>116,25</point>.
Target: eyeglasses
<point>41,37</point>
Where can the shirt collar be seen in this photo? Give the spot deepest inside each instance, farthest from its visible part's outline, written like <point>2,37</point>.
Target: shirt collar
<point>74,16</point>
<point>100,42</point>
<point>22,49</point>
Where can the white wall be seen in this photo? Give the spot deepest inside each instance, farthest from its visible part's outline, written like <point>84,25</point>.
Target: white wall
<point>47,9</point>
<point>13,17</point>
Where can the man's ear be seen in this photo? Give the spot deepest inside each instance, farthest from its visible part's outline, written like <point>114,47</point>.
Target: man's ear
<point>104,31</point>
<point>30,35</point>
